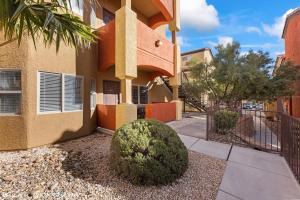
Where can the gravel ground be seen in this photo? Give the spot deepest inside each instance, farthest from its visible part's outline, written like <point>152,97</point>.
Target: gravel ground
<point>79,169</point>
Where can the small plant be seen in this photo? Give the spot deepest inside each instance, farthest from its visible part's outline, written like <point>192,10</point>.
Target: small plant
<point>225,121</point>
<point>147,152</point>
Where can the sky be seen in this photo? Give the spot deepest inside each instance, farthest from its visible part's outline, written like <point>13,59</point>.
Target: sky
<point>255,24</point>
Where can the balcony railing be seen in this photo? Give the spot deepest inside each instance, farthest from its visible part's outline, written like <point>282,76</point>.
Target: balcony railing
<point>154,51</point>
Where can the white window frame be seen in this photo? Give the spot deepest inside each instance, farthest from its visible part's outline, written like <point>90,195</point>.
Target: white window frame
<point>139,94</point>
<point>38,94</point>
<point>93,94</point>
<point>62,94</point>
<point>12,92</point>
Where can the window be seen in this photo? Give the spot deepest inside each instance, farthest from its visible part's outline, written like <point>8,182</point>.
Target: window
<point>50,92</point>
<point>135,94</point>
<point>143,95</point>
<point>139,94</point>
<point>59,92</point>
<point>93,94</point>
<point>76,6</point>
<point>10,92</point>
<point>107,16</point>
<point>73,97</point>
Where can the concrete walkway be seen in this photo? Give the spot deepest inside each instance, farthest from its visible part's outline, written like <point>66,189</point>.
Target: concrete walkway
<point>250,174</point>
<point>192,125</point>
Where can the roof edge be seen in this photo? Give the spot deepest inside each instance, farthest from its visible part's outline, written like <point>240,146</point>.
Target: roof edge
<point>196,51</point>
<point>292,14</point>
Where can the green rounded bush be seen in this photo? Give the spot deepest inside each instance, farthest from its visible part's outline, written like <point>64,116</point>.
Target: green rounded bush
<point>225,121</point>
<point>147,152</point>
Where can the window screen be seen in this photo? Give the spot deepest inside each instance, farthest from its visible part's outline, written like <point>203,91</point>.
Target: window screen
<point>73,90</point>
<point>50,92</point>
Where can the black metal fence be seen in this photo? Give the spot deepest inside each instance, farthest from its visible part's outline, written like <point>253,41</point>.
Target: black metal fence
<point>291,143</point>
<point>254,128</point>
<point>263,130</point>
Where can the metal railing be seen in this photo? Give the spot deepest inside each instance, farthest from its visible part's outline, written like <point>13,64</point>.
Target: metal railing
<point>290,127</point>
<point>269,131</point>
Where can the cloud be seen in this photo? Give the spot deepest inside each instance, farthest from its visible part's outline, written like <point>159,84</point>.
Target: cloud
<point>261,46</point>
<point>199,15</point>
<point>253,29</point>
<point>225,40</point>
<point>222,40</point>
<point>276,29</point>
<point>183,41</point>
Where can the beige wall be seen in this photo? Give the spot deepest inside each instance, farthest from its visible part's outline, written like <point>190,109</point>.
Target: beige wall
<point>13,129</point>
<point>31,129</point>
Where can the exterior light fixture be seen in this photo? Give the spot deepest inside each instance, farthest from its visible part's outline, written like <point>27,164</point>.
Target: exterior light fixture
<point>158,43</point>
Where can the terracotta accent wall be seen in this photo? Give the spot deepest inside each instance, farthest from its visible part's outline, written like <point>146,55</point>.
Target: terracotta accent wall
<point>149,57</point>
<point>107,46</point>
<point>292,53</point>
<point>107,116</point>
<point>166,7</point>
<point>164,112</point>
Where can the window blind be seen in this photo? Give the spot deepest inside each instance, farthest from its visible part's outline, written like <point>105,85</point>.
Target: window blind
<point>73,97</point>
<point>50,92</point>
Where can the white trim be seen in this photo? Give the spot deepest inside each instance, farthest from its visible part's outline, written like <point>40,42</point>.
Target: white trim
<point>13,92</point>
<point>93,94</point>
<point>82,91</point>
<point>62,75</point>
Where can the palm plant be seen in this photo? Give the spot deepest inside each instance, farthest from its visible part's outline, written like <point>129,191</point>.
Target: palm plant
<point>51,20</point>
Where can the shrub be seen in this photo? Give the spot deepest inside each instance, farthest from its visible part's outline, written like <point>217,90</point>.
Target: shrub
<point>225,121</point>
<point>147,152</point>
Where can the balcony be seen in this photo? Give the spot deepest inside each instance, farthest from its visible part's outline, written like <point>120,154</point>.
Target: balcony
<point>164,112</point>
<point>150,56</point>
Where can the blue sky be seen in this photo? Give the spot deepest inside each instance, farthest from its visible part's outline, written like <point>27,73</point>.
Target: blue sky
<point>256,24</point>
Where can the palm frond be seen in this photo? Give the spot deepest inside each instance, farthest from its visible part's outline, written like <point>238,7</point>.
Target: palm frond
<point>50,20</point>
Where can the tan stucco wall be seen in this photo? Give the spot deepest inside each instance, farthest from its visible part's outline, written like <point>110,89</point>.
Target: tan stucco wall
<point>49,128</point>
<point>13,129</point>
<point>31,129</point>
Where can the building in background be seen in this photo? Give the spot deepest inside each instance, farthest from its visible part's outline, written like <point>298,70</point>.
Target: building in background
<point>190,58</point>
<point>291,35</point>
<point>46,97</point>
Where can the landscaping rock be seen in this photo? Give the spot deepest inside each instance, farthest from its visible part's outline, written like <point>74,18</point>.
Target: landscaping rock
<point>79,169</point>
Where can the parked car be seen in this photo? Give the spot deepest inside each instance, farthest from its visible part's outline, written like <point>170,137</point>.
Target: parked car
<point>247,106</point>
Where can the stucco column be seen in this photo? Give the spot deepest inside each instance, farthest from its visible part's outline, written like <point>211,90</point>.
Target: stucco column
<point>175,81</point>
<point>126,61</point>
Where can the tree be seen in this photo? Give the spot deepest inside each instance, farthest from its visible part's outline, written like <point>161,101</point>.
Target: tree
<point>52,21</point>
<point>232,77</point>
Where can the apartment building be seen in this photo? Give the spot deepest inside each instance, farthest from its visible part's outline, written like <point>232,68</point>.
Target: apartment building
<point>291,35</point>
<point>203,55</point>
<point>48,97</point>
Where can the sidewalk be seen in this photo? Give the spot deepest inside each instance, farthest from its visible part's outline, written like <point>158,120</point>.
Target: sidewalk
<point>250,174</point>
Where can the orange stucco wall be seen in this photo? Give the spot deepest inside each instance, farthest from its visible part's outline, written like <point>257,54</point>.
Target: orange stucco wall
<point>107,46</point>
<point>292,53</point>
<point>166,7</point>
<point>164,112</point>
<point>107,116</point>
<point>149,56</point>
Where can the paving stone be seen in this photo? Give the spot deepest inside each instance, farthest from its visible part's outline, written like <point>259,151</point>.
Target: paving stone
<point>250,183</point>
<point>187,140</point>
<point>261,160</point>
<point>213,149</point>
<point>225,196</point>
